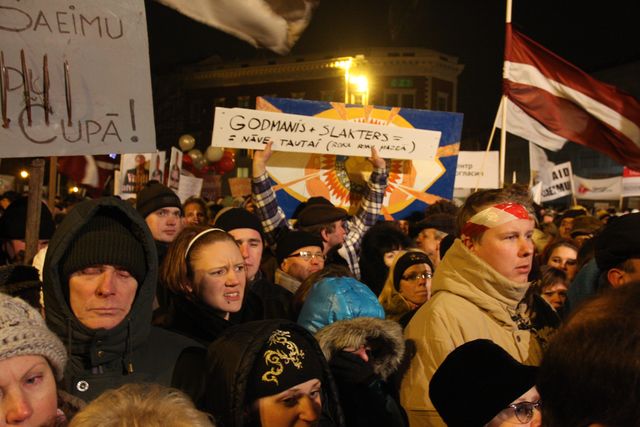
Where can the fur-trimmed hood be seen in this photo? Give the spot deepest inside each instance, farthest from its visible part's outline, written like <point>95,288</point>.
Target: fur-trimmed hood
<point>384,336</point>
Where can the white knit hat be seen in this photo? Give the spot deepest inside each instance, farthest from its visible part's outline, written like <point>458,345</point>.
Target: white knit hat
<point>23,332</point>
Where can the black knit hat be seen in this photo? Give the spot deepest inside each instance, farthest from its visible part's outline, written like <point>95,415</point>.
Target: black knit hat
<point>319,210</point>
<point>618,241</point>
<point>156,196</point>
<point>286,359</point>
<point>231,218</point>
<point>478,365</point>
<point>105,239</point>
<point>13,222</point>
<point>293,240</point>
<point>407,260</point>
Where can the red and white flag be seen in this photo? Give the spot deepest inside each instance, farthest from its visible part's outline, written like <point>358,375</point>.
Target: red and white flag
<point>570,103</point>
<point>93,171</point>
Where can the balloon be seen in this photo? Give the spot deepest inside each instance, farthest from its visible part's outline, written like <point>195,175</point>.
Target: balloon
<point>186,142</point>
<point>225,165</point>
<point>187,161</point>
<point>230,152</point>
<point>213,154</point>
<point>199,162</point>
<point>196,154</point>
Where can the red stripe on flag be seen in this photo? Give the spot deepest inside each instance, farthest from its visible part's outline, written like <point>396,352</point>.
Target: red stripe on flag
<point>576,106</point>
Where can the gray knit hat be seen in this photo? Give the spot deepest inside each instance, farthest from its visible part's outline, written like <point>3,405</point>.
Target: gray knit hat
<point>23,333</point>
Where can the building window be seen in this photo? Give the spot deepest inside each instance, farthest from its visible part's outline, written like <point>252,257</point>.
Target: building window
<point>404,98</point>
<point>443,101</point>
<point>244,101</point>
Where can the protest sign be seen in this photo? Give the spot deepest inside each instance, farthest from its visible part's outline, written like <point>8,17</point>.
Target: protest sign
<point>560,184</point>
<point>477,169</point>
<point>342,179</point>
<point>189,186</point>
<point>77,78</point>
<point>630,182</point>
<point>252,129</point>
<point>598,189</point>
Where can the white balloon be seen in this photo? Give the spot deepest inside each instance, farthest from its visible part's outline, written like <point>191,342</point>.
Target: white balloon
<point>213,154</point>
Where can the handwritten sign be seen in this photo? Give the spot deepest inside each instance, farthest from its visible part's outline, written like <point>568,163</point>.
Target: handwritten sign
<point>477,169</point>
<point>243,128</point>
<point>77,78</point>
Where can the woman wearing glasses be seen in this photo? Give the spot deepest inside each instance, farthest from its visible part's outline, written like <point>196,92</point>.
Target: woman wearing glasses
<point>408,285</point>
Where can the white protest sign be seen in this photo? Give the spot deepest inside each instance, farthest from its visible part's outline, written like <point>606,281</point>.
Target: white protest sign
<point>598,189</point>
<point>77,78</point>
<point>243,128</point>
<point>630,182</point>
<point>477,169</point>
<point>560,184</point>
<point>189,186</point>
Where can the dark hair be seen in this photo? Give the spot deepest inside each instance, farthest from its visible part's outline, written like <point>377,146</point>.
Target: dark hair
<point>383,237</point>
<point>331,270</point>
<point>591,370</point>
<point>199,201</point>
<point>176,273</point>
<point>553,245</point>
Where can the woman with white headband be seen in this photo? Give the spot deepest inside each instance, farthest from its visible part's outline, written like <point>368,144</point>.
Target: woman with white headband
<point>475,294</point>
<point>205,272</point>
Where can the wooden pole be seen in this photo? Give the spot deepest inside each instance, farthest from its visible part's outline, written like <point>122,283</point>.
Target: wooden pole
<point>503,130</point>
<point>34,206</point>
<point>53,181</point>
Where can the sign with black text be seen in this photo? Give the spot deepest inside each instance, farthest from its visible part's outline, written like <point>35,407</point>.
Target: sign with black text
<point>560,184</point>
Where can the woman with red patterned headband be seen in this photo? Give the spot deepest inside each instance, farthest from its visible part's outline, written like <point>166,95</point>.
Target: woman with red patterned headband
<point>475,294</point>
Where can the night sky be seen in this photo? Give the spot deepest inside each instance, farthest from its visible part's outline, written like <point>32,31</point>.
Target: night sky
<point>593,37</point>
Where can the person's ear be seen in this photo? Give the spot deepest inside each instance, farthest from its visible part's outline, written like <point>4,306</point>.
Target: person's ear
<point>468,243</point>
<point>616,277</point>
<point>284,265</point>
<point>324,235</point>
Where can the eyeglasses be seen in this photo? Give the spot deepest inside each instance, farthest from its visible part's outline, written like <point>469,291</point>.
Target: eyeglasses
<point>308,256</point>
<point>417,276</point>
<point>524,410</point>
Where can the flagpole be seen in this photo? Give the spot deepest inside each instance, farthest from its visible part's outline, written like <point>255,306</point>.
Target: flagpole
<point>486,152</point>
<point>503,130</point>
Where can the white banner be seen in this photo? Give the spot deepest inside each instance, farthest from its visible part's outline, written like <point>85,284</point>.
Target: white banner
<point>85,68</point>
<point>477,169</point>
<point>560,184</point>
<point>630,183</point>
<point>252,129</point>
<point>598,189</point>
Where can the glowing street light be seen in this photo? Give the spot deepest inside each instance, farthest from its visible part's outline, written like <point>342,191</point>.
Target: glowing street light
<point>24,174</point>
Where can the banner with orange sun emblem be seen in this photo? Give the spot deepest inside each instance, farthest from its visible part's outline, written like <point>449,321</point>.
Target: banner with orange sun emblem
<point>413,184</point>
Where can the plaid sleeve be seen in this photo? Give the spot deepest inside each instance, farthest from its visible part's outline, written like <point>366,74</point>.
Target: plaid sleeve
<point>271,215</point>
<point>366,216</point>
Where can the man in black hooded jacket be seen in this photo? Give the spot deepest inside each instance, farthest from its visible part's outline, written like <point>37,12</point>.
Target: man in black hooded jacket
<point>100,276</point>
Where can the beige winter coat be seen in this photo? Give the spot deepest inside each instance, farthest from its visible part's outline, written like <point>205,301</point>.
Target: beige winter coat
<point>470,300</point>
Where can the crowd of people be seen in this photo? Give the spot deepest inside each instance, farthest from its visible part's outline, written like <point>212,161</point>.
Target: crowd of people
<point>156,312</point>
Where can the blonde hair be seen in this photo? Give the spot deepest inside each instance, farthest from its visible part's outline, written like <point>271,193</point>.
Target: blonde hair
<point>142,405</point>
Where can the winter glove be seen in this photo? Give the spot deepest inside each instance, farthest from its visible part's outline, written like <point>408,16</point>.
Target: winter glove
<point>349,368</point>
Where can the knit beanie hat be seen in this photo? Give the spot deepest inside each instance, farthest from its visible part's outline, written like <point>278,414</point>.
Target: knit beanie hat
<point>407,260</point>
<point>231,218</point>
<point>478,365</point>
<point>23,332</point>
<point>105,239</point>
<point>294,240</point>
<point>156,196</point>
<point>286,359</point>
<point>618,241</point>
<point>13,221</point>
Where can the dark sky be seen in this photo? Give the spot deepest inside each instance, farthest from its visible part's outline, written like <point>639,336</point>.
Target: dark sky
<point>593,37</point>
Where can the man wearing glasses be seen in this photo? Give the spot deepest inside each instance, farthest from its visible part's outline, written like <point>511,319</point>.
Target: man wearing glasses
<point>299,255</point>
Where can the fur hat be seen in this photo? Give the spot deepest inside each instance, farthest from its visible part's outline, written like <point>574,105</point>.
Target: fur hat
<point>294,240</point>
<point>585,225</point>
<point>23,332</point>
<point>13,221</point>
<point>156,196</point>
<point>105,239</point>
<point>618,241</point>
<point>483,378</point>
<point>286,359</point>
<point>232,218</point>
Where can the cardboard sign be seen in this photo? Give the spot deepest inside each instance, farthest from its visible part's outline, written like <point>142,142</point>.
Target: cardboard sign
<point>560,184</point>
<point>77,78</point>
<point>477,169</point>
<point>252,129</point>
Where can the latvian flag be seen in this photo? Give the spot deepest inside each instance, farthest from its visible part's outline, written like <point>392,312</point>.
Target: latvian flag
<point>568,102</point>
